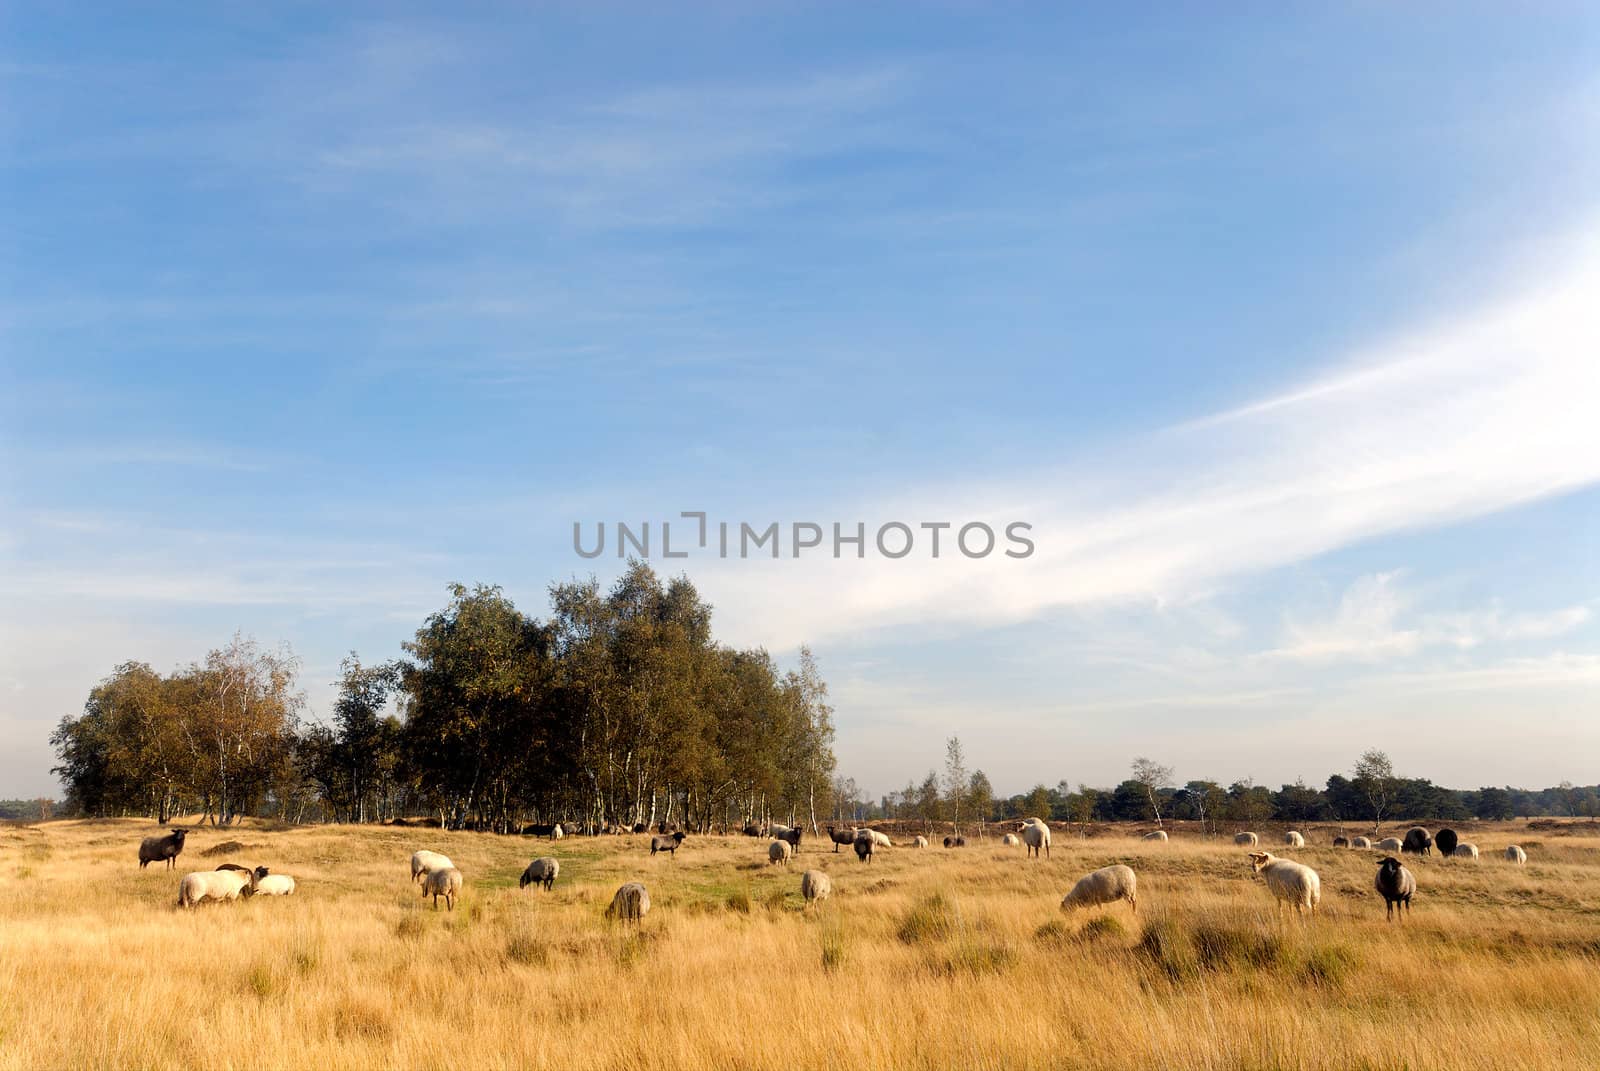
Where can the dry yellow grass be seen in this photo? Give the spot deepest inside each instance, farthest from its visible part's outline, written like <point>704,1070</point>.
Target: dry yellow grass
<point>936,959</point>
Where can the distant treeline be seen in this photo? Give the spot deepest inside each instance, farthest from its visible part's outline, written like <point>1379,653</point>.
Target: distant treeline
<point>618,709</point>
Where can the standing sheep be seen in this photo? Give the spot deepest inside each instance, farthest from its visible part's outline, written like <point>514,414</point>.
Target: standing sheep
<point>424,861</point>
<point>1418,842</point>
<point>168,847</point>
<point>540,872</point>
<point>1036,835</point>
<point>847,836</point>
<point>1388,844</point>
<point>1360,842</point>
<point>1446,840</point>
<point>667,844</point>
<point>1515,854</point>
<point>1246,838</point>
<point>1466,851</point>
<point>1341,842</point>
<point>1396,885</point>
<point>1159,835</point>
<point>863,846</point>
<point>919,841</point>
<point>217,885</point>
<point>815,885</point>
<point>1104,886</point>
<point>779,852</point>
<point>1294,839</point>
<point>630,904</point>
<point>792,838</point>
<point>1290,882</point>
<point>1010,840</point>
<point>445,882</point>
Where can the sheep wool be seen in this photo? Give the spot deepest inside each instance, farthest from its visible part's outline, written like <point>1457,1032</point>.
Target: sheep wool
<point>815,885</point>
<point>779,852</point>
<point>630,904</point>
<point>1104,886</point>
<point>1291,883</point>
<point>423,861</point>
<point>1515,854</point>
<point>445,882</point>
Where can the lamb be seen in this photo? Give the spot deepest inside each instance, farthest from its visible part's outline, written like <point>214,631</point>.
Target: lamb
<point>1360,842</point>
<point>1446,840</point>
<point>863,846</point>
<point>667,844</point>
<point>270,884</point>
<point>540,872</point>
<point>1290,882</point>
<point>1515,854</point>
<point>838,837</point>
<point>168,847</point>
<point>1388,844</point>
<point>1010,840</point>
<point>779,852</point>
<point>1158,835</point>
<point>1396,885</point>
<point>1104,886</point>
<point>1246,838</point>
<point>423,861</point>
<point>630,904</point>
<point>1466,851</point>
<point>445,882</point>
<point>815,885</point>
<point>919,841</point>
<point>1036,835</point>
<point>1418,842</point>
<point>217,885</point>
<point>1341,842</point>
<point>1294,839</point>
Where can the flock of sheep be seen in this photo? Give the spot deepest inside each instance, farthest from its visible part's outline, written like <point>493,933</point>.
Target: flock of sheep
<point>1292,884</point>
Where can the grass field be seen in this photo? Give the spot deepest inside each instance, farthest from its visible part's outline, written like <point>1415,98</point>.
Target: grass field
<point>935,958</point>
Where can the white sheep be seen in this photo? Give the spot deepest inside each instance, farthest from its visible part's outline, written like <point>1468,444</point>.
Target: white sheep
<point>1388,844</point>
<point>557,833</point>
<point>445,882</point>
<point>815,885</point>
<point>1360,842</point>
<point>270,884</point>
<point>1159,835</point>
<point>1466,851</point>
<point>631,903</point>
<point>1036,835</point>
<point>779,852</point>
<point>219,885</point>
<point>879,840</point>
<point>1246,838</point>
<point>1010,840</point>
<point>1294,839</point>
<point>1290,882</point>
<point>1515,854</point>
<point>540,872</point>
<point>919,841</point>
<point>424,861</point>
<point>1104,886</point>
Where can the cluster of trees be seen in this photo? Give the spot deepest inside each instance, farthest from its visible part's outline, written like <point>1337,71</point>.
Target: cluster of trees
<point>620,708</point>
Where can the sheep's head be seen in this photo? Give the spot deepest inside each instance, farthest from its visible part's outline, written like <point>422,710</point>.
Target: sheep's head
<point>178,835</point>
<point>1259,860</point>
<point>261,872</point>
<point>1389,864</point>
<point>679,835</point>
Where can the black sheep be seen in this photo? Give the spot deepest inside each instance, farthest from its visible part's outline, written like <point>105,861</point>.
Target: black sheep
<point>793,837</point>
<point>1445,840</point>
<point>864,847</point>
<point>169,847</point>
<point>1396,884</point>
<point>838,838</point>
<point>1417,842</point>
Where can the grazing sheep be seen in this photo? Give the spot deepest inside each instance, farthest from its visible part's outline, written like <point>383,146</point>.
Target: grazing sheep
<point>779,852</point>
<point>445,882</point>
<point>879,840</point>
<point>919,841</point>
<point>168,847</point>
<point>1341,842</point>
<point>1446,840</point>
<point>1290,882</point>
<point>1158,835</point>
<point>217,885</point>
<point>815,885</point>
<point>1035,834</point>
<point>1515,854</point>
<point>424,861</point>
<point>1294,839</point>
<point>1010,840</point>
<point>540,872</point>
<point>792,838</point>
<point>1397,885</point>
<point>631,904</point>
<point>1246,838</point>
<point>955,842</point>
<point>751,829</point>
<point>1466,851</point>
<point>1388,844</point>
<point>863,846</point>
<point>1360,842</point>
<point>1104,886</point>
<point>270,884</point>
<point>1418,842</point>
<point>667,844</point>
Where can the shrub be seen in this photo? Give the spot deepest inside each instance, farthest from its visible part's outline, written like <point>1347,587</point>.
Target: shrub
<point>1329,965</point>
<point>411,926</point>
<point>1103,928</point>
<point>527,949</point>
<point>931,919</point>
<point>1169,949</point>
<point>739,900</point>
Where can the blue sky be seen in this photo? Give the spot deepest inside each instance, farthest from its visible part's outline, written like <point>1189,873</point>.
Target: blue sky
<point>1277,327</point>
